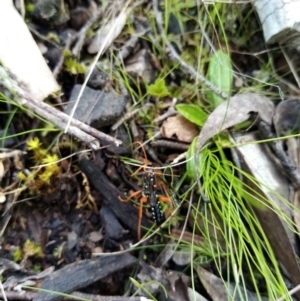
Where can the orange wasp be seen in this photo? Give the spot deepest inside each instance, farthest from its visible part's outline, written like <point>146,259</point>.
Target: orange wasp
<point>154,191</point>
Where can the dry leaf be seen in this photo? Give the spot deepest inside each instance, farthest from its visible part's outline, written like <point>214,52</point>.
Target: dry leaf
<point>219,292</point>
<point>180,128</point>
<point>183,256</point>
<point>233,112</point>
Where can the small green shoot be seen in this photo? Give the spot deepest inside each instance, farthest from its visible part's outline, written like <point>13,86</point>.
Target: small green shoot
<point>29,7</point>
<point>220,74</point>
<point>41,180</point>
<point>158,89</point>
<point>53,37</point>
<point>17,254</point>
<point>72,65</point>
<point>30,249</point>
<point>193,113</point>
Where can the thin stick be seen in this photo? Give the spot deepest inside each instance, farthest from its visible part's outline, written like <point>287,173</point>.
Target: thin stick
<point>86,138</point>
<point>92,67</point>
<point>171,111</point>
<point>75,123</point>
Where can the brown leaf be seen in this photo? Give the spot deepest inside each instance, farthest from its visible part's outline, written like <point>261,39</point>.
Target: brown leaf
<point>180,128</point>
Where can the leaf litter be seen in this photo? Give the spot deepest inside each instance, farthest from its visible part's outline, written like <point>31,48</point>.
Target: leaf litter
<point>61,226</point>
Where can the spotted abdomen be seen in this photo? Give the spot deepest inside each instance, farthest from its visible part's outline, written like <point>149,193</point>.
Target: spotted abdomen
<point>157,214</point>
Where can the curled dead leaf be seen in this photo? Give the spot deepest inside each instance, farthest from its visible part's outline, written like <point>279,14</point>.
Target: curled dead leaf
<point>233,112</point>
<point>180,128</point>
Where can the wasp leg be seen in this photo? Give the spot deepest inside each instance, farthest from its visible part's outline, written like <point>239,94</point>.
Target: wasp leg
<point>165,199</point>
<point>143,200</point>
<point>133,195</point>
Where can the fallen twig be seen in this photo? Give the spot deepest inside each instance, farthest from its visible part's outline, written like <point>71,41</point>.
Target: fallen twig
<point>78,129</point>
<point>86,138</point>
<point>170,144</point>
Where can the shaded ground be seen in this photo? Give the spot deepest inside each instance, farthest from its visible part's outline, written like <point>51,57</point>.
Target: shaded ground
<point>67,214</point>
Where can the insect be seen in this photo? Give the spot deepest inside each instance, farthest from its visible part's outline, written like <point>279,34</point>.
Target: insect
<point>150,192</point>
<point>154,191</point>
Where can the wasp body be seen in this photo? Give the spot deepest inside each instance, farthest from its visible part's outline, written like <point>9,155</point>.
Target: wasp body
<point>150,191</point>
<point>154,191</point>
